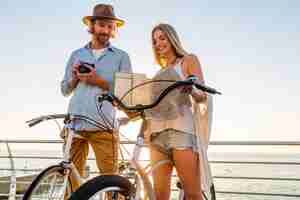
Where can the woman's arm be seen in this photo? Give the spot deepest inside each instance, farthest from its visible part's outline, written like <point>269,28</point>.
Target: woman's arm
<point>191,66</point>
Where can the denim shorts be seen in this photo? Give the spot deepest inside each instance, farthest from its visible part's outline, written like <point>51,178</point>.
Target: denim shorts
<point>170,139</point>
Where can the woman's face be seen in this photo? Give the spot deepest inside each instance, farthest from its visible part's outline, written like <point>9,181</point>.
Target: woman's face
<point>161,43</point>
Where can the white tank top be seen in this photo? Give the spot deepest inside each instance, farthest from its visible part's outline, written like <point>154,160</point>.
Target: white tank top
<point>184,121</point>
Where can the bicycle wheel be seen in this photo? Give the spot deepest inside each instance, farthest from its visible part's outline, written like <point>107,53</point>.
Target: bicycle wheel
<point>52,183</point>
<point>212,192</point>
<point>211,195</point>
<point>105,187</point>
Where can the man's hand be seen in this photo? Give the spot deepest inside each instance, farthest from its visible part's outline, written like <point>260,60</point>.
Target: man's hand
<point>88,78</point>
<point>133,115</point>
<point>75,79</point>
<point>92,78</point>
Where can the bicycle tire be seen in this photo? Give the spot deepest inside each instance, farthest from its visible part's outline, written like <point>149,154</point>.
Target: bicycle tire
<point>103,183</point>
<point>40,184</point>
<point>212,192</point>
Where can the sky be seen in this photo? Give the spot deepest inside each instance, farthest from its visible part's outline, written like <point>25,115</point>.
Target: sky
<point>249,50</point>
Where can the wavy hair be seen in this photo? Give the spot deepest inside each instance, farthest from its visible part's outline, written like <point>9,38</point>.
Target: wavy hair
<point>173,38</point>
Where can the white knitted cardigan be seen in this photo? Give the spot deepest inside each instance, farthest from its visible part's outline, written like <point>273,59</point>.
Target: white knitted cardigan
<point>203,122</point>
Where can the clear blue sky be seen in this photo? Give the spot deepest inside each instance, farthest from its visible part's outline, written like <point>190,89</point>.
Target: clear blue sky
<point>249,50</point>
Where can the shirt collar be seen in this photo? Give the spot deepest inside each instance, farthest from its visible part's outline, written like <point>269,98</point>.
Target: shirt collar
<point>109,47</point>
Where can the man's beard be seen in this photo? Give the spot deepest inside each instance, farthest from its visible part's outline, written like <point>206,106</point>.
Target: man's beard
<point>102,38</point>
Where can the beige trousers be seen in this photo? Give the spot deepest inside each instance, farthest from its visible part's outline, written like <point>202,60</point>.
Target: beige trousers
<point>105,146</point>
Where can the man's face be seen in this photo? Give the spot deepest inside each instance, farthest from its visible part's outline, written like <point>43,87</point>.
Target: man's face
<point>104,30</point>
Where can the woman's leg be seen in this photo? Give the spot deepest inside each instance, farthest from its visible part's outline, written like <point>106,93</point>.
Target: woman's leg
<point>161,175</point>
<point>187,167</point>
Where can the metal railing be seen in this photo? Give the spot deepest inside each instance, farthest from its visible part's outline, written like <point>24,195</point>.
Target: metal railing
<point>219,192</point>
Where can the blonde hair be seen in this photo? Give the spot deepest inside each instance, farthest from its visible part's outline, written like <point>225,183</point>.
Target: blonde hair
<point>173,38</point>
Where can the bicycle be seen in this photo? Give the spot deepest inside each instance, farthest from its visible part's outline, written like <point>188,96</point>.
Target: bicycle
<point>138,185</point>
<point>53,183</point>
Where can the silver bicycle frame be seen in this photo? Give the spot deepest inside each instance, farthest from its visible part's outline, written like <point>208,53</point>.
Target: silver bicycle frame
<point>67,163</point>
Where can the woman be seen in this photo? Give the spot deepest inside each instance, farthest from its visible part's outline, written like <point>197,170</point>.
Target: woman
<point>171,127</point>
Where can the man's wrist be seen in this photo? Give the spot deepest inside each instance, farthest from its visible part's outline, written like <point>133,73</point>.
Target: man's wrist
<point>102,83</point>
<point>73,82</point>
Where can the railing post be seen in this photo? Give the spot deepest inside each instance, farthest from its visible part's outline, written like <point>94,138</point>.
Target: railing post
<point>13,179</point>
<point>13,167</point>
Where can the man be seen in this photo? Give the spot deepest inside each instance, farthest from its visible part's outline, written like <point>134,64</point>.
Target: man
<point>85,87</point>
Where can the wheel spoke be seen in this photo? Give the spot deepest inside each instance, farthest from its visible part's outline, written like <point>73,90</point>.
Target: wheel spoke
<point>50,184</point>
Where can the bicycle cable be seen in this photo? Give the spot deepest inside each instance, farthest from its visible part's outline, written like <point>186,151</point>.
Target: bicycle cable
<point>144,83</point>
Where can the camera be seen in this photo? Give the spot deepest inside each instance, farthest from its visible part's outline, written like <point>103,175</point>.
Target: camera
<point>84,67</point>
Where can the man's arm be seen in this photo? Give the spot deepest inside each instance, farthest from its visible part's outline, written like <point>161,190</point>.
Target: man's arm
<point>70,79</point>
<point>194,68</point>
<point>93,79</point>
<point>125,64</point>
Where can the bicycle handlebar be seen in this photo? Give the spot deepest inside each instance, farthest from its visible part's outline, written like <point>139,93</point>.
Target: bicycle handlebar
<point>137,108</point>
<point>67,119</point>
<point>189,81</point>
<point>40,119</point>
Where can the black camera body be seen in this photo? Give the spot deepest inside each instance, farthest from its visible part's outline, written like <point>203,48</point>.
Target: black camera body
<point>83,69</point>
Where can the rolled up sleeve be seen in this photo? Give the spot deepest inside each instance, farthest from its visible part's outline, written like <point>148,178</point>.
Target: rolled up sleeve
<point>125,65</point>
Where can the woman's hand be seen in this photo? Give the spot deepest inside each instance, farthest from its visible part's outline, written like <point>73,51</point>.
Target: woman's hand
<point>198,95</point>
<point>186,89</point>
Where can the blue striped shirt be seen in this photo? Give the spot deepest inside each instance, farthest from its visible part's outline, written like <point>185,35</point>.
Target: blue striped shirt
<point>84,96</point>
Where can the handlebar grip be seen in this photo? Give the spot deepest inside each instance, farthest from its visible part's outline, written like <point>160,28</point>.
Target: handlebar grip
<point>31,124</point>
<point>207,89</point>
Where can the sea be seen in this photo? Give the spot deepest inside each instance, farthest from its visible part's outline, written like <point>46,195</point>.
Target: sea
<point>220,170</point>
